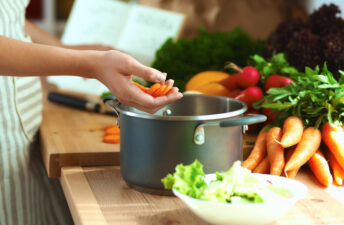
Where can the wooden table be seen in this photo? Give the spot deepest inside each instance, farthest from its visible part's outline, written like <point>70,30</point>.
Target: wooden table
<point>98,195</point>
<point>71,137</point>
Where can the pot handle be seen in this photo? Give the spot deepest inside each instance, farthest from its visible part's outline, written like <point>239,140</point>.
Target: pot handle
<point>112,102</point>
<point>199,135</point>
<point>245,120</point>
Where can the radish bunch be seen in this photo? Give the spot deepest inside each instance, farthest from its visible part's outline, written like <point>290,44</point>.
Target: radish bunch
<point>243,86</point>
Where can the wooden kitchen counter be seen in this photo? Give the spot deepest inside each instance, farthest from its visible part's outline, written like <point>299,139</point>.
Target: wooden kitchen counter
<point>71,137</point>
<point>98,195</point>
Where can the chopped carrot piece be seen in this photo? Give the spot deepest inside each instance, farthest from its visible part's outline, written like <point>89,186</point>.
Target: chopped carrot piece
<point>107,127</point>
<point>113,130</point>
<point>111,139</point>
<point>166,90</point>
<point>153,88</point>
<point>158,92</point>
<point>140,86</point>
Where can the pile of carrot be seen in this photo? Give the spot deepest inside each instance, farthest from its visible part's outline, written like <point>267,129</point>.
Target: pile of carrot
<point>112,134</point>
<point>283,151</point>
<point>156,90</point>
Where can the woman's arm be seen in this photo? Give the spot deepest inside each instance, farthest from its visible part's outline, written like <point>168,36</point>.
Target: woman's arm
<point>113,68</point>
<point>40,36</point>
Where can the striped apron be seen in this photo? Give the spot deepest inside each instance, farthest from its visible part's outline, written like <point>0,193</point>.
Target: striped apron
<point>27,195</point>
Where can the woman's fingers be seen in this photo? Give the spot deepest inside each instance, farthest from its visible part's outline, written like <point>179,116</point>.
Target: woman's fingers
<point>169,82</point>
<point>145,72</point>
<point>150,104</point>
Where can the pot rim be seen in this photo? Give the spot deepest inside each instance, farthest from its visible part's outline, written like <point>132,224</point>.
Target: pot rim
<point>218,116</point>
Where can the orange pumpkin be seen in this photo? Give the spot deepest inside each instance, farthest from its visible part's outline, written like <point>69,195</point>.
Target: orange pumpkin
<point>205,77</point>
<point>213,89</point>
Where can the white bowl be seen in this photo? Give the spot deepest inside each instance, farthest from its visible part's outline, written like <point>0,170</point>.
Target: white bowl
<point>246,213</point>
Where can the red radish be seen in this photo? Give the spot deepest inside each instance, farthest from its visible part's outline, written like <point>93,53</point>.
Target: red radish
<point>276,81</point>
<point>231,83</point>
<point>250,95</point>
<point>269,114</point>
<point>234,93</point>
<point>248,76</point>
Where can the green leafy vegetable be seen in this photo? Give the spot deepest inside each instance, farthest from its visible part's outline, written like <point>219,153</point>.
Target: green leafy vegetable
<point>187,179</point>
<point>210,51</point>
<point>318,39</point>
<point>315,97</point>
<point>277,64</point>
<point>237,185</point>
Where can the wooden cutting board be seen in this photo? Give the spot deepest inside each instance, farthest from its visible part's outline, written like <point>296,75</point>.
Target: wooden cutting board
<point>71,137</point>
<point>99,195</point>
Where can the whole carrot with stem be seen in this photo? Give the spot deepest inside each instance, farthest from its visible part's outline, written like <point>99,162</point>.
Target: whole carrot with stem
<point>333,137</point>
<point>337,170</point>
<point>292,131</point>
<point>258,152</point>
<point>275,151</point>
<point>291,173</point>
<point>320,168</point>
<point>309,144</point>
<point>263,166</point>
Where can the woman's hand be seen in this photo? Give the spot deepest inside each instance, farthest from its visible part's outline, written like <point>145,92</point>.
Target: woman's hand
<point>115,69</point>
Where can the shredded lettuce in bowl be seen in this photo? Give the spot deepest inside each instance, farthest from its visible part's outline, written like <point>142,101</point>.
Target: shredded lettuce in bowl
<point>237,185</point>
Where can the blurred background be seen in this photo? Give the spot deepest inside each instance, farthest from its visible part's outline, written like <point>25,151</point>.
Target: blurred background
<point>51,15</point>
<point>213,32</point>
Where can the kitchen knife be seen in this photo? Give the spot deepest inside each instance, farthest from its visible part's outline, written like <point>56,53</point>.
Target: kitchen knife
<point>77,103</point>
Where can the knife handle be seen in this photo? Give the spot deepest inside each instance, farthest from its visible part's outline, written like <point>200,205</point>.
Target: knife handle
<point>74,102</point>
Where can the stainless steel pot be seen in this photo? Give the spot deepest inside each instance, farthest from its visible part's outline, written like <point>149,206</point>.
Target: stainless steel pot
<point>204,127</point>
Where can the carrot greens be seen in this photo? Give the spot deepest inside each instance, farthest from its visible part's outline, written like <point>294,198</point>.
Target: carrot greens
<point>315,97</point>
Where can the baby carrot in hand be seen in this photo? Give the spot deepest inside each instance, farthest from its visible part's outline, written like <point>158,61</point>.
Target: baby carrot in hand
<point>275,151</point>
<point>263,166</point>
<point>320,168</point>
<point>292,131</point>
<point>333,137</point>
<point>337,170</point>
<point>305,149</point>
<point>258,152</point>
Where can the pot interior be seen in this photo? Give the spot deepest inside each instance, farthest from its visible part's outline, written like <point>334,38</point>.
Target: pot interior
<point>193,107</point>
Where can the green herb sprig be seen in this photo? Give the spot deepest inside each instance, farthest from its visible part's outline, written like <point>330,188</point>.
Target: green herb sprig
<point>277,64</point>
<point>315,97</point>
